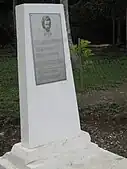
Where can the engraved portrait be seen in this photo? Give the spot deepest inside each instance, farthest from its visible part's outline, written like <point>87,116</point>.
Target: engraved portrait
<point>46,24</point>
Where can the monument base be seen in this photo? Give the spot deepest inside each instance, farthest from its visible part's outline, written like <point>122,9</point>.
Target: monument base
<point>78,152</point>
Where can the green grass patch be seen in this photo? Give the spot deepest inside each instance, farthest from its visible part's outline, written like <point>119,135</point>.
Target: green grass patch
<point>102,74</point>
<point>9,97</point>
<point>99,74</point>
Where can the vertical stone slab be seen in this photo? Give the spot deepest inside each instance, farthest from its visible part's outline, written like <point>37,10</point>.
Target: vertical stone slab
<point>48,105</point>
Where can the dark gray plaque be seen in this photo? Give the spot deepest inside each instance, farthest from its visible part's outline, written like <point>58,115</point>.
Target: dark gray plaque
<point>48,48</point>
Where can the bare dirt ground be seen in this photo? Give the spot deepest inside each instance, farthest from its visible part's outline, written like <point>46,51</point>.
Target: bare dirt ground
<point>104,115</point>
<point>118,95</point>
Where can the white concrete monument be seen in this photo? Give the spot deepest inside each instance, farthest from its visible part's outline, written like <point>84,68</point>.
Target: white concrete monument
<point>48,103</point>
<point>51,137</point>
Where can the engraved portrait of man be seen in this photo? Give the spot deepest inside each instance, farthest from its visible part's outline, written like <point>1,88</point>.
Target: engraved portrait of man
<point>46,24</point>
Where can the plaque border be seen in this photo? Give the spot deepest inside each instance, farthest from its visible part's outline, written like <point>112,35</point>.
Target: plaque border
<point>54,81</point>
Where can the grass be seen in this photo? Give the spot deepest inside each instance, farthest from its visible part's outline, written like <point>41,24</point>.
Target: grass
<point>9,98</point>
<point>103,73</point>
<point>100,74</point>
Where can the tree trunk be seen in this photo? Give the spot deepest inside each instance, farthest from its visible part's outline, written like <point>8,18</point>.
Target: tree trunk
<point>73,57</point>
<point>14,18</point>
<point>113,26</point>
<point>126,28</point>
<point>65,3</point>
<point>118,31</point>
<point>14,43</point>
<point>81,72</point>
<point>113,30</point>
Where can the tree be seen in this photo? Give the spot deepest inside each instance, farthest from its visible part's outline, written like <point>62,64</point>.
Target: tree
<point>65,4</point>
<point>66,9</point>
<point>114,9</point>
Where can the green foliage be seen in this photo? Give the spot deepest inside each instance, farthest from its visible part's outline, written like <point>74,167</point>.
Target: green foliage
<point>102,74</point>
<point>82,50</point>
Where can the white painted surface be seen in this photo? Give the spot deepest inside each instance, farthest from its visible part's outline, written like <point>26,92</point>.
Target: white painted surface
<point>50,150</point>
<point>48,112</point>
<point>22,157</point>
<point>87,156</point>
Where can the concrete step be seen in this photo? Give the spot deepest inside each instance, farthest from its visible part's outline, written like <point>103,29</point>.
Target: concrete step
<point>91,157</point>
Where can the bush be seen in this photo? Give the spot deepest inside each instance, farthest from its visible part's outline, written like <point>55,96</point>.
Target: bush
<point>82,53</point>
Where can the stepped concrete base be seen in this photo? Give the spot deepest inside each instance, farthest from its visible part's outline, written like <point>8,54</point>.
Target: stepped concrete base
<point>76,153</point>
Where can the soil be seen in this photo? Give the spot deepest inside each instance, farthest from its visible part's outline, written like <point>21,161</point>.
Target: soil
<point>103,114</point>
<point>9,133</point>
<point>107,127</point>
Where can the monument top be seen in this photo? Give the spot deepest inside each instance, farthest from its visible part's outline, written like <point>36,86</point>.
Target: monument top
<point>48,105</point>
